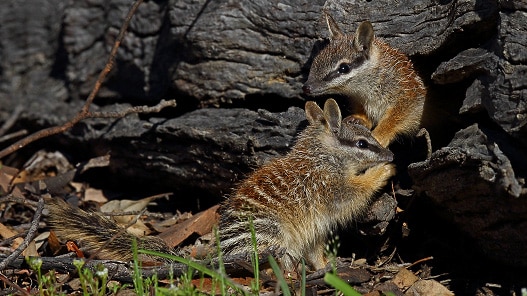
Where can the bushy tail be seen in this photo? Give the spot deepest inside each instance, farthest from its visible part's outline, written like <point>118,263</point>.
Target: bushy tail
<point>95,233</point>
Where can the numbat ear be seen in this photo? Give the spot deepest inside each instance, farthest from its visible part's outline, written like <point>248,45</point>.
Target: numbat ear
<point>332,115</point>
<point>314,114</point>
<point>334,30</point>
<point>363,38</point>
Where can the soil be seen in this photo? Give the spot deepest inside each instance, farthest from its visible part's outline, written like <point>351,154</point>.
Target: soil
<point>418,246</point>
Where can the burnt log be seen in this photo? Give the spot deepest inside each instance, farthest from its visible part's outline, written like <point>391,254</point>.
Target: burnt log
<point>473,184</point>
<point>207,150</point>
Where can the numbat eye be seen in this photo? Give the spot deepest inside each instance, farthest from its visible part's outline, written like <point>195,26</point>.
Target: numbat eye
<point>344,68</point>
<point>362,144</point>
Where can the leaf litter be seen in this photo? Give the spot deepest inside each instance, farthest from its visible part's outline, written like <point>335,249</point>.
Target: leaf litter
<point>192,233</point>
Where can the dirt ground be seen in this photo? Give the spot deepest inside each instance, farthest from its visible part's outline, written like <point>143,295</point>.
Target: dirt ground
<point>418,255</point>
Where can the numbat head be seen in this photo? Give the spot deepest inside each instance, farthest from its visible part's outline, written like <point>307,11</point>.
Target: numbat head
<point>294,202</point>
<point>383,89</point>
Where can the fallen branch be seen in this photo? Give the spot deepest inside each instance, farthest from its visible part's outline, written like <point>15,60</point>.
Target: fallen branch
<point>123,271</point>
<point>31,233</point>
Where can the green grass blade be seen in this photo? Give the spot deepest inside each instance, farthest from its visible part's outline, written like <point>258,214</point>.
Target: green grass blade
<point>340,285</point>
<point>221,267</point>
<point>198,267</point>
<point>279,276</point>
<point>254,257</point>
<point>303,279</point>
<point>138,278</point>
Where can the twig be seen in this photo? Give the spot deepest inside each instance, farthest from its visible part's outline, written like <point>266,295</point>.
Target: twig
<point>420,261</point>
<point>11,120</point>
<point>389,259</point>
<point>85,111</point>
<point>13,135</point>
<point>15,199</point>
<point>4,279</point>
<point>9,240</point>
<point>138,109</point>
<point>31,233</point>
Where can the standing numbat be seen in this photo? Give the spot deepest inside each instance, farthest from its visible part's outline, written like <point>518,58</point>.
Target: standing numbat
<point>384,91</point>
<point>296,201</point>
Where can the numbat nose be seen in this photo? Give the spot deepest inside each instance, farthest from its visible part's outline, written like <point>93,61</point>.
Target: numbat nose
<point>307,89</point>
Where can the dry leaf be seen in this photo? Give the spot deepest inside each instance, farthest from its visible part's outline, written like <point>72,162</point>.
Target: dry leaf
<point>199,251</point>
<point>6,178</point>
<point>139,229</point>
<point>428,287</point>
<point>31,250</point>
<point>72,247</point>
<point>41,239</point>
<point>8,174</point>
<point>162,226</point>
<point>54,243</point>
<point>95,195</point>
<point>125,205</point>
<point>97,162</point>
<point>45,164</point>
<point>119,206</point>
<point>405,278</point>
<point>7,233</point>
<point>75,284</point>
<point>201,223</point>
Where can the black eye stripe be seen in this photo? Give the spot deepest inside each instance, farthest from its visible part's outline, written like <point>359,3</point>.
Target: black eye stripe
<point>362,144</point>
<point>345,68</point>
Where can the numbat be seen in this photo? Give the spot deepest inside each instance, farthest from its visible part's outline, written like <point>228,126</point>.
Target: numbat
<point>384,91</point>
<point>294,202</point>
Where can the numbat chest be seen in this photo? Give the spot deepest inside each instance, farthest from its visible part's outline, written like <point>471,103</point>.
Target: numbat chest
<point>383,90</point>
